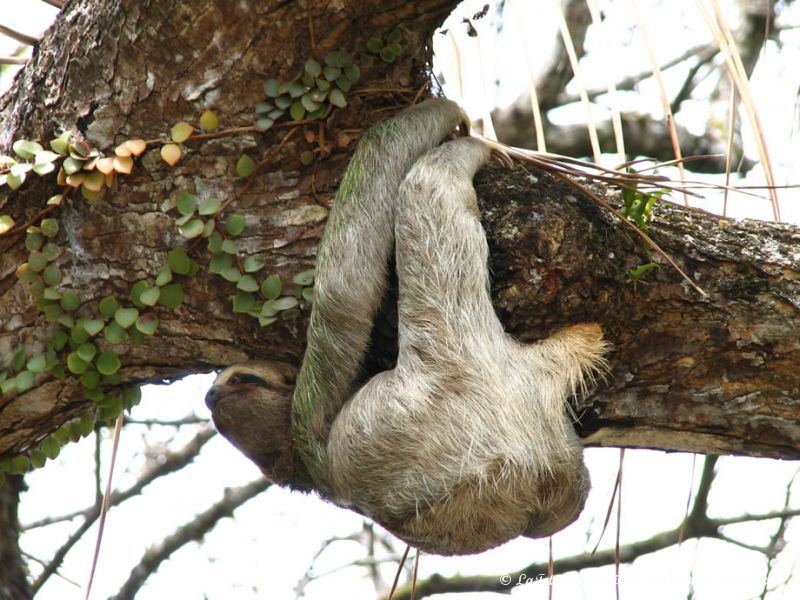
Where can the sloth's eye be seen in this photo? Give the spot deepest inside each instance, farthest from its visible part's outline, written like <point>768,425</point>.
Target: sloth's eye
<point>246,378</point>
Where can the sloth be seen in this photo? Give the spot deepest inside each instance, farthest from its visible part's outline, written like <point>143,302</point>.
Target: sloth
<point>467,442</point>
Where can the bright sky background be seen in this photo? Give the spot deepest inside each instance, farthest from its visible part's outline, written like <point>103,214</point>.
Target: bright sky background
<point>269,545</point>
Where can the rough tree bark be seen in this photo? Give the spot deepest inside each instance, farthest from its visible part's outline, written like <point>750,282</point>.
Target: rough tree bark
<point>708,374</point>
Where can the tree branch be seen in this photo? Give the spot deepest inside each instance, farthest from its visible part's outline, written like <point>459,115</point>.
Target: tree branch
<point>173,461</point>
<point>191,531</point>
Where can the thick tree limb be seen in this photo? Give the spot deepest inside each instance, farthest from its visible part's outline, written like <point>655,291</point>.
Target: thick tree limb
<point>715,374</point>
<point>13,574</point>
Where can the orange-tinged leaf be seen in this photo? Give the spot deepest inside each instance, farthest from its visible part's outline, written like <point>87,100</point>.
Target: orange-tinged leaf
<point>109,179</point>
<point>136,147</point>
<point>122,150</point>
<point>105,165</point>
<point>171,153</point>
<point>61,178</point>
<point>123,164</point>
<point>75,180</point>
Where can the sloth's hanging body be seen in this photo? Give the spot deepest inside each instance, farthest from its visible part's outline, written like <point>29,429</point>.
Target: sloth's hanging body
<point>466,443</point>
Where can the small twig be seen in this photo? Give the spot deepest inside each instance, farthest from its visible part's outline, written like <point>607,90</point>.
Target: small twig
<point>173,461</point>
<point>399,570</point>
<point>22,38</point>
<point>13,60</point>
<point>192,531</point>
<point>104,507</point>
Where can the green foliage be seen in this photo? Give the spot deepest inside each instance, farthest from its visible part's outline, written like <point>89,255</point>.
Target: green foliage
<point>638,206</point>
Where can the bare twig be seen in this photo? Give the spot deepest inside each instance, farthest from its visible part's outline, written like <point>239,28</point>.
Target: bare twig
<point>22,38</point>
<point>173,461</point>
<point>192,531</point>
<point>105,503</point>
<point>13,60</point>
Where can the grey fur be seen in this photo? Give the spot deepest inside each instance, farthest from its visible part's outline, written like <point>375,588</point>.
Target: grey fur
<point>466,443</point>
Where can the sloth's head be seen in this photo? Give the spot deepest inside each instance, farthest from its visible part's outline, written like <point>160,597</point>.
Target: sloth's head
<point>251,404</point>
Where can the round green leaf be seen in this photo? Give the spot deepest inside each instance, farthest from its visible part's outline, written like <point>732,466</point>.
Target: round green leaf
<point>352,72</point>
<point>219,262</point>
<point>164,276</point>
<point>37,364</point>
<point>297,111</point>
<point>179,261</point>
<point>78,335</point>
<point>245,166</point>
<point>52,274</point>
<point>309,103</point>
<point>234,225</point>
<point>76,364</point>
<point>19,465</point>
<point>344,84</point>
<point>284,303</point>
<point>108,363</point>
<point>90,380</point>
<point>70,301</point>
<point>86,423</point>
<point>247,283</point>
<point>271,87</point>
<point>92,326</point>
<point>305,277</point>
<point>171,296</point>
<point>209,120</point>
<point>49,227</point>
<point>26,149</point>
<point>308,294</point>
<point>50,447</point>
<point>24,381</point>
<point>149,297</point>
<point>34,240</point>
<point>136,293</point>
<point>181,132</point>
<point>59,340</point>
<point>51,294</point>
<point>271,287</point>
<point>312,67</point>
<point>147,323</point>
<point>264,123</point>
<point>37,261</point>
<point>51,251</point>
<point>252,264</point>
<point>337,98</point>
<point>231,274</point>
<point>125,317</point>
<point>185,203</point>
<point>192,229</point>
<point>53,312</point>
<point>86,351</point>
<point>209,206</point>
<point>306,157</point>
<point>229,247</point>
<point>243,302</point>
<point>131,396</point>
<point>114,334</point>
<point>108,306</point>
<point>332,73</point>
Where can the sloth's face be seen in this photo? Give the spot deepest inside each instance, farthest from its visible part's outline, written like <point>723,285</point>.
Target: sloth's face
<point>251,406</point>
